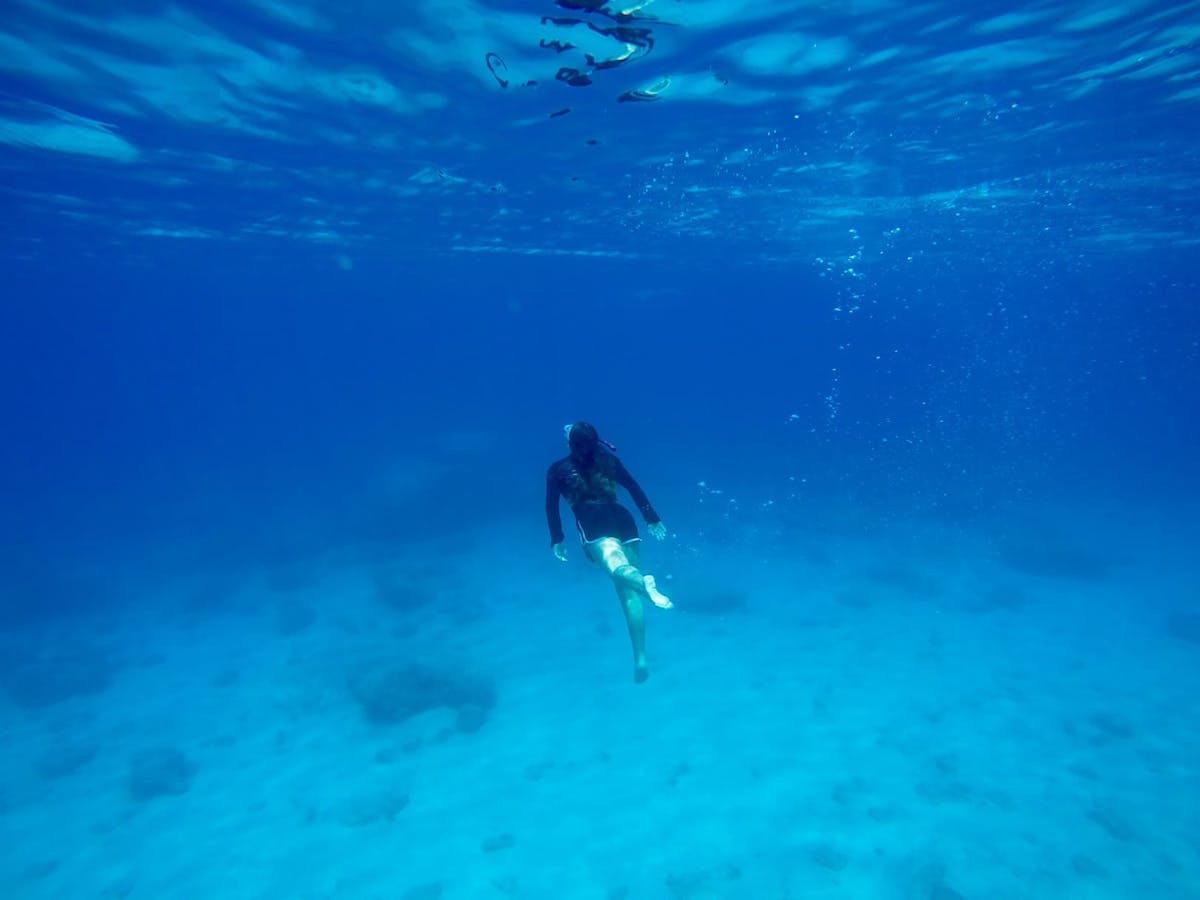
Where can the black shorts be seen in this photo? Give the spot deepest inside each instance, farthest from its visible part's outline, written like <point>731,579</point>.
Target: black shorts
<point>605,520</point>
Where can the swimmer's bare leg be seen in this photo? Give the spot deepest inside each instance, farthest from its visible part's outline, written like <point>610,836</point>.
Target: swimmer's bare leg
<point>621,562</point>
<point>635,621</point>
<point>649,588</point>
<point>657,597</point>
<point>619,559</point>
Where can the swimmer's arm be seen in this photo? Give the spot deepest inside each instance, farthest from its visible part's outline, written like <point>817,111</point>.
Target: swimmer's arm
<point>553,514</point>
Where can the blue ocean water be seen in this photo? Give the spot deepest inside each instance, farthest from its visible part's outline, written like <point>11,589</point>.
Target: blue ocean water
<point>890,308</point>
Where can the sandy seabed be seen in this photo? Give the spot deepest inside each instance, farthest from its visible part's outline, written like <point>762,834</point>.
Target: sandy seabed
<point>858,716</point>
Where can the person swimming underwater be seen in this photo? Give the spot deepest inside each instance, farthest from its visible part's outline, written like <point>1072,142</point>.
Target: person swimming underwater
<point>588,478</point>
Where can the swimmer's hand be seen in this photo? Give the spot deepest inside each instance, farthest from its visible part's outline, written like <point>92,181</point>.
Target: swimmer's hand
<point>659,530</point>
<point>560,552</point>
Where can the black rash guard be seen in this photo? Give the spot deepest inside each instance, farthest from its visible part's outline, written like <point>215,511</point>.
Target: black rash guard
<point>565,480</point>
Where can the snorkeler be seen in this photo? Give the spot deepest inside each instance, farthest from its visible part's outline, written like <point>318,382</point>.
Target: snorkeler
<point>588,478</point>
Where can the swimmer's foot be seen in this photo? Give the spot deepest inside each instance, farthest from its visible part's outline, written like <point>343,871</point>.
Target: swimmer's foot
<point>640,670</point>
<point>659,599</point>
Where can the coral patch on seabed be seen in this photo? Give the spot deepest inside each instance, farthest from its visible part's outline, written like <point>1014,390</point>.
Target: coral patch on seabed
<point>1052,560</point>
<point>35,680</point>
<point>160,772</point>
<point>1184,625</point>
<point>717,602</point>
<point>389,692</point>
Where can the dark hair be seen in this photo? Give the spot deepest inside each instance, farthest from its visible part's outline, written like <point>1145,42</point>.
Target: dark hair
<point>583,441</point>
